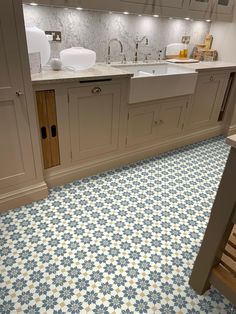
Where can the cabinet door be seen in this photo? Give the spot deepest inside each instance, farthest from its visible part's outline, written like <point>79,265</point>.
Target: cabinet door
<point>200,5</point>
<point>46,103</point>
<point>224,6</point>
<point>157,3</point>
<point>16,157</point>
<point>94,120</point>
<point>207,100</point>
<point>142,122</point>
<point>171,117</point>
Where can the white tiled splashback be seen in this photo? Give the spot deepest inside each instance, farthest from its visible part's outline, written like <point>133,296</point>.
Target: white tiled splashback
<point>93,30</point>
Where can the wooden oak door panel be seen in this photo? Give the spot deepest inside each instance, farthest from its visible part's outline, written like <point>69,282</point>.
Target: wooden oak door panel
<point>47,115</point>
<point>94,120</point>
<point>16,156</point>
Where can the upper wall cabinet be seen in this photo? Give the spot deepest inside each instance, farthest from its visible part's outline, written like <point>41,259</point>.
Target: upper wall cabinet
<point>196,9</point>
<point>152,6</point>
<point>200,5</point>
<point>224,6</point>
<point>211,9</point>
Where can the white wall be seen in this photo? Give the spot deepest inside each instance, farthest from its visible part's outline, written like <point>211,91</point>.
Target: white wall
<point>225,39</point>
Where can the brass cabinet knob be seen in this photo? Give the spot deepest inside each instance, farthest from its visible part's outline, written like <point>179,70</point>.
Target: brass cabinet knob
<point>96,90</point>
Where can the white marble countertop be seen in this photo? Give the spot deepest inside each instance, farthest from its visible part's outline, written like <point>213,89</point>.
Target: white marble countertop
<point>102,70</point>
<point>98,71</point>
<point>214,65</point>
<point>199,66</point>
<point>231,140</point>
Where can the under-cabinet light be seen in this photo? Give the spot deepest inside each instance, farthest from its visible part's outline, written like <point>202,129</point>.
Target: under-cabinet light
<point>125,13</point>
<point>80,9</point>
<point>155,15</point>
<point>33,4</point>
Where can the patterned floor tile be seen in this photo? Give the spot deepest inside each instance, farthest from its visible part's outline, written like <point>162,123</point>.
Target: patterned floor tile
<point>123,241</point>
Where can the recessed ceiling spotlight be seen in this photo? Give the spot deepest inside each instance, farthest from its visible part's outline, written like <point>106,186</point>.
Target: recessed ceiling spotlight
<point>208,21</point>
<point>187,18</point>
<point>34,4</point>
<point>126,13</point>
<point>80,9</point>
<point>155,15</point>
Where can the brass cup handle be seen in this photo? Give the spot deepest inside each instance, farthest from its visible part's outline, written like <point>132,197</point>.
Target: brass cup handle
<point>96,90</point>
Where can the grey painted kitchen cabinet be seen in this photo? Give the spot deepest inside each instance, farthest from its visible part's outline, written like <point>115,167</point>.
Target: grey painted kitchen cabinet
<point>94,120</point>
<point>196,9</point>
<point>152,121</point>
<point>206,103</point>
<point>21,178</point>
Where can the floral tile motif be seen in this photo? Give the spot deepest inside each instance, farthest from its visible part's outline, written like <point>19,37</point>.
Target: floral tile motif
<point>123,241</point>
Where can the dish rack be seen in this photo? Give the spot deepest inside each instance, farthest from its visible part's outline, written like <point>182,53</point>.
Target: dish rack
<point>216,262</point>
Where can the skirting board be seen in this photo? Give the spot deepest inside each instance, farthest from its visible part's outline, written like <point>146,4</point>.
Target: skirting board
<point>231,130</point>
<point>23,196</point>
<point>69,174</point>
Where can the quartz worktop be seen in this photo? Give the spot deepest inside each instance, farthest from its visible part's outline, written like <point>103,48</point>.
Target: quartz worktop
<point>103,71</point>
<point>206,66</point>
<point>231,140</point>
<point>99,71</point>
<point>197,66</point>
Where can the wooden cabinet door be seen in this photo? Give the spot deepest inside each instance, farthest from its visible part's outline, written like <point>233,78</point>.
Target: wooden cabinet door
<point>47,114</point>
<point>142,122</point>
<point>171,117</point>
<point>94,120</point>
<point>207,100</point>
<point>16,156</point>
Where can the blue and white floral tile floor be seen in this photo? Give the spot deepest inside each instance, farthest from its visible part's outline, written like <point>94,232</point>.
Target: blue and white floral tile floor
<point>120,242</point>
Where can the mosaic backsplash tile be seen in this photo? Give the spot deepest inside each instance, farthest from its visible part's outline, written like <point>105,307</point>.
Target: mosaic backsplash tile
<point>93,30</point>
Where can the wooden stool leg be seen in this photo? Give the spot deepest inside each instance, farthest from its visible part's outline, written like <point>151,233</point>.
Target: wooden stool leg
<point>219,227</point>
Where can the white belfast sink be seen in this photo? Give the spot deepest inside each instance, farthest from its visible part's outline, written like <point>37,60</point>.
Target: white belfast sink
<point>158,81</point>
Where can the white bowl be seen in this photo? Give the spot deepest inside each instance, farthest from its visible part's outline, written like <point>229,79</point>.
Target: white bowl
<point>78,58</point>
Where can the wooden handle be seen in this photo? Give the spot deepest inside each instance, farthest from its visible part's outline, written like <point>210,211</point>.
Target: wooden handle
<point>44,132</point>
<point>54,130</point>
